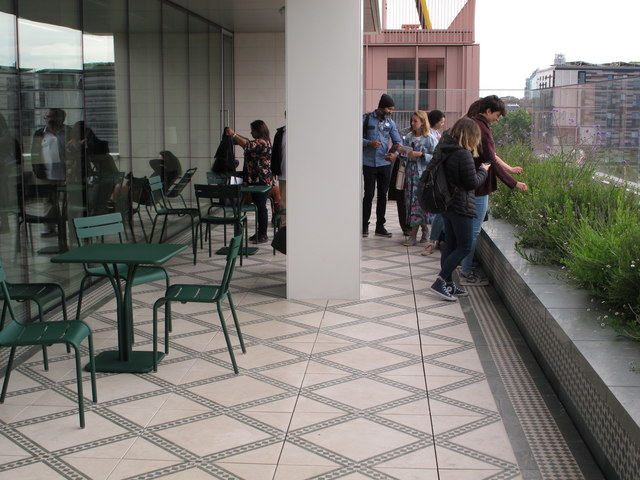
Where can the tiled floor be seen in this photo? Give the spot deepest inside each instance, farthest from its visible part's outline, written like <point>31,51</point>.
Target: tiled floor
<point>388,387</point>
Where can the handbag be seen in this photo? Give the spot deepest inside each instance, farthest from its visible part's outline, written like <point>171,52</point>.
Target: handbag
<point>280,240</point>
<point>400,177</point>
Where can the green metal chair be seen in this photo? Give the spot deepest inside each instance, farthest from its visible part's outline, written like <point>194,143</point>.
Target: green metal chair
<point>110,225</point>
<point>40,294</point>
<point>162,208</point>
<point>19,334</point>
<point>247,207</point>
<point>203,294</point>
<point>175,191</point>
<point>229,195</point>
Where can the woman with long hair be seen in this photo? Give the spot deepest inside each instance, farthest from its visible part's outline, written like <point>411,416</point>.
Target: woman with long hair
<point>455,149</point>
<point>257,171</point>
<point>422,143</point>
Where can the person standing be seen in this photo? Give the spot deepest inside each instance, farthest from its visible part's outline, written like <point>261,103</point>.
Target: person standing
<point>485,112</point>
<point>420,144</point>
<point>48,150</point>
<point>436,236</point>
<point>257,167</point>
<point>378,131</point>
<point>455,149</point>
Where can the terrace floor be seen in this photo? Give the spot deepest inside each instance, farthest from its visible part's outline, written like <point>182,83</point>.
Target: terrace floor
<point>397,385</point>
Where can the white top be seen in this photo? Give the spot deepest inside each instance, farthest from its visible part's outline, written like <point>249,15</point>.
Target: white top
<point>51,157</point>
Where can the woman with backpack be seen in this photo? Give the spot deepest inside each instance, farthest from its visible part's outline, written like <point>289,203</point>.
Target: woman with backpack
<point>455,152</point>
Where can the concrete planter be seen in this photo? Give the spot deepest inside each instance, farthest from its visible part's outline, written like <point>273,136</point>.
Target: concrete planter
<point>588,365</point>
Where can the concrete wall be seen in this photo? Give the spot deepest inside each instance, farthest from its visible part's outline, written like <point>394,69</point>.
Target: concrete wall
<point>321,93</point>
<point>259,71</point>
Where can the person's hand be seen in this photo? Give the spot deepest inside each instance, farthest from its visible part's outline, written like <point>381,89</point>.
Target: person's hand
<point>516,170</point>
<point>522,187</point>
<point>486,166</point>
<point>229,132</point>
<point>374,143</point>
<point>391,157</point>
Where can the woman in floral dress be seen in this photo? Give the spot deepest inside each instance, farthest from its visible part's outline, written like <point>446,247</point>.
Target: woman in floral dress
<point>422,143</point>
<point>257,171</point>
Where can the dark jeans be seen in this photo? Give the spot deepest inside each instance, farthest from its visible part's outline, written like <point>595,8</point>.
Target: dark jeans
<point>375,176</point>
<point>458,235</point>
<point>260,201</point>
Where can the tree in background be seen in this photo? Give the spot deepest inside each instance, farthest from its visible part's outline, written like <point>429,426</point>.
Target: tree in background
<point>515,128</point>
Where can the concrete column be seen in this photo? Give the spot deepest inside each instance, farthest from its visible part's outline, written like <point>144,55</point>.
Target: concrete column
<point>324,149</point>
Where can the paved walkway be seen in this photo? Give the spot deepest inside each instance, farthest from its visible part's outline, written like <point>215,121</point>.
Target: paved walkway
<point>397,385</point>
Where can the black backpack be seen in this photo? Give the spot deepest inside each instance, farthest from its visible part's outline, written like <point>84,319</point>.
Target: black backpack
<point>434,195</point>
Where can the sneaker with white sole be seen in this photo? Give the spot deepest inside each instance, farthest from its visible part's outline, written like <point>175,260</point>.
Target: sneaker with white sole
<point>473,279</point>
<point>439,287</point>
<point>453,289</point>
<point>409,241</point>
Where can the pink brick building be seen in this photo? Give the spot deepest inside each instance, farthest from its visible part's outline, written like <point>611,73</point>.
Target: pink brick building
<point>424,68</point>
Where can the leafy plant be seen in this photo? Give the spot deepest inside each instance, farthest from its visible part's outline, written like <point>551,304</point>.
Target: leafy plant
<point>571,217</point>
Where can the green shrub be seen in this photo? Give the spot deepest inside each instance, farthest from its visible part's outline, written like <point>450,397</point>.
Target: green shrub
<point>571,218</point>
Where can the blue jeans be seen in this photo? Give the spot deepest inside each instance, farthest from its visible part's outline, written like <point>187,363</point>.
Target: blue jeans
<point>437,225</point>
<point>482,205</point>
<point>457,235</point>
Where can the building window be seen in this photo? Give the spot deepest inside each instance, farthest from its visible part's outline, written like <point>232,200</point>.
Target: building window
<point>401,82</point>
<point>582,76</point>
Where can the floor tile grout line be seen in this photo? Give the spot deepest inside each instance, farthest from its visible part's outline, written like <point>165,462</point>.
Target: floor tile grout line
<point>300,387</point>
<point>424,370</point>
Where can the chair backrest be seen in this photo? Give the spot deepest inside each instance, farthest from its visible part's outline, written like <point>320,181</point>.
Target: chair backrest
<point>4,288</point>
<point>228,195</point>
<point>232,255</point>
<point>98,226</point>
<point>156,192</point>
<point>214,178</point>
<point>177,188</point>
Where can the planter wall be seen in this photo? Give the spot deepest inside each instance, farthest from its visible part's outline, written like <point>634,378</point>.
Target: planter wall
<point>587,365</point>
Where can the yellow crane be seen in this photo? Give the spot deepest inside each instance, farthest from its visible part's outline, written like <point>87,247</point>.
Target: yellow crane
<point>423,13</point>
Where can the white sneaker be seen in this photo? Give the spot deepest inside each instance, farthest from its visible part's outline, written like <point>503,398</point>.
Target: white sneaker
<point>410,241</point>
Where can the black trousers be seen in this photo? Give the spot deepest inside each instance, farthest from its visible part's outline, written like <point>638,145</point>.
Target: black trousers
<point>375,177</point>
<point>260,200</point>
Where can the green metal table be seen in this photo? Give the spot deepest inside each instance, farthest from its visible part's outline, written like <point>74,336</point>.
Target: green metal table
<point>110,255</point>
<point>246,189</point>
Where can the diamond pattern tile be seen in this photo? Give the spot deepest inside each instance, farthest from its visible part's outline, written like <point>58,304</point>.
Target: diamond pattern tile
<point>388,387</point>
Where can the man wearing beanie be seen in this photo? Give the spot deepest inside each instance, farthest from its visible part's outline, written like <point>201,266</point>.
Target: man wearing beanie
<point>377,131</point>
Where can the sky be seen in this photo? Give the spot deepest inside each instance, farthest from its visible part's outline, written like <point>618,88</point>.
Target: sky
<point>517,36</point>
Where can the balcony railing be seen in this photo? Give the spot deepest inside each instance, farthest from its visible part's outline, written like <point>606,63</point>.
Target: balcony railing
<point>443,22</point>
<point>597,120</point>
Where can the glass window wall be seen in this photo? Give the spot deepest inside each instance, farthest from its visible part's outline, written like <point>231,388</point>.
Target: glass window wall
<point>90,94</point>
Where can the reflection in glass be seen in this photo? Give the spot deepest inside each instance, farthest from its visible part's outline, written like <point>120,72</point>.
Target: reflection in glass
<point>43,46</point>
<point>7,40</point>
<point>200,132</point>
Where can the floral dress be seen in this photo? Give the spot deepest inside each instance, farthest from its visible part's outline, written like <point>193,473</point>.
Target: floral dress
<point>414,170</point>
<point>257,163</point>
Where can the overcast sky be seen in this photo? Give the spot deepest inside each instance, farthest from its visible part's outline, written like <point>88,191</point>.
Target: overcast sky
<point>516,37</point>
